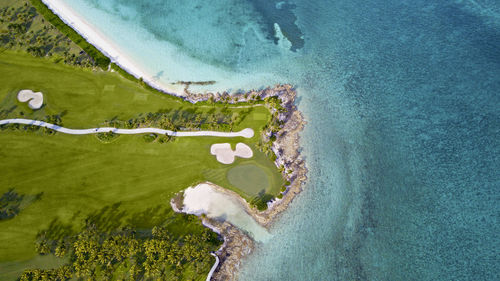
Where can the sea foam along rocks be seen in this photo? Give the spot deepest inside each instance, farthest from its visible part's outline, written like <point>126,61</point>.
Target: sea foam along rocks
<point>226,155</point>
<point>34,99</point>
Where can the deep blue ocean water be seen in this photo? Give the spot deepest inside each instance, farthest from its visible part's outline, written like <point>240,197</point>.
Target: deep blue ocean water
<point>402,100</point>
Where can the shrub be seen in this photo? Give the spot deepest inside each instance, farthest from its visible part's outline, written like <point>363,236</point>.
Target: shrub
<point>150,137</point>
<point>107,137</point>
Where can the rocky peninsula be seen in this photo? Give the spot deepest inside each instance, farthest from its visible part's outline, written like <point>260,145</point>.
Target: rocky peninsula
<point>286,148</point>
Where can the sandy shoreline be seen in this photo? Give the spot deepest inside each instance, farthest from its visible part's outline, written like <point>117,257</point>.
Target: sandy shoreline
<point>90,33</point>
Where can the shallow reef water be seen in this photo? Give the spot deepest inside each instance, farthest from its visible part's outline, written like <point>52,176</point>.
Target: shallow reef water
<point>402,101</point>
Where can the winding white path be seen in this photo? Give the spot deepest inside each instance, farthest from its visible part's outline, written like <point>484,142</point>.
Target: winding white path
<point>246,133</point>
<point>214,267</point>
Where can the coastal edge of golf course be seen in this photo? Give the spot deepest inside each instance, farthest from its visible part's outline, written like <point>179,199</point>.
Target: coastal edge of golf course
<point>122,179</point>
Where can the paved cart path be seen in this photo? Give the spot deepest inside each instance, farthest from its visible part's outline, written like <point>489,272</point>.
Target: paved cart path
<point>246,133</point>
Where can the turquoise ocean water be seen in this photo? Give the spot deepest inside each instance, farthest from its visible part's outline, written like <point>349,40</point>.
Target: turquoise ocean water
<point>403,104</point>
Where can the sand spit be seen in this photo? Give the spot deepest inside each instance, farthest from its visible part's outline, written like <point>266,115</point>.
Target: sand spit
<point>220,204</point>
<point>34,99</point>
<point>226,155</point>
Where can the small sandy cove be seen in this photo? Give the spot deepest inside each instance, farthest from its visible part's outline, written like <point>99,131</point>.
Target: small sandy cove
<point>222,205</point>
<point>34,99</point>
<point>226,155</point>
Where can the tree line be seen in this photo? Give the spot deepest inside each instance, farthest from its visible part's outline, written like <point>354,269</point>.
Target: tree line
<point>98,57</point>
<point>183,119</point>
<point>123,253</point>
<point>52,119</point>
<point>23,28</point>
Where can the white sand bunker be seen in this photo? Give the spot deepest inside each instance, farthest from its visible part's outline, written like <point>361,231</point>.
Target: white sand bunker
<point>226,155</point>
<point>35,99</point>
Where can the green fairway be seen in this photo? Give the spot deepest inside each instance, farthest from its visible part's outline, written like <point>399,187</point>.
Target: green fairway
<point>80,175</point>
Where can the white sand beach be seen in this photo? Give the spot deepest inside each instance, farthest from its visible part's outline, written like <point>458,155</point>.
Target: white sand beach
<point>91,34</point>
<point>205,199</point>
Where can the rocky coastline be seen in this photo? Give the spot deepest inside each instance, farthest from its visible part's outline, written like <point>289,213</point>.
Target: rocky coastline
<point>237,244</point>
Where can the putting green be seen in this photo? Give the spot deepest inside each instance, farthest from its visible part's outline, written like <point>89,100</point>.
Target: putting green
<point>250,178</point>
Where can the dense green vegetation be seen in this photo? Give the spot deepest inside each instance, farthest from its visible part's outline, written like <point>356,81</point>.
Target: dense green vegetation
<point>79,175</point>
<point>100,59</point>
<point>184,119</point>
<point>106,249</point>
<point>107,137</point>
<point>23,28</point>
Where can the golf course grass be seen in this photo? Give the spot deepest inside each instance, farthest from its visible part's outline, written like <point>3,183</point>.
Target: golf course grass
<point>80,175</point>
<point>249,177</point>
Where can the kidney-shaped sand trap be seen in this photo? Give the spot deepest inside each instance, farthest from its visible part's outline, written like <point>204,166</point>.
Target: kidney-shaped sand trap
<point>226,155</point>
<point>35,99</point>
